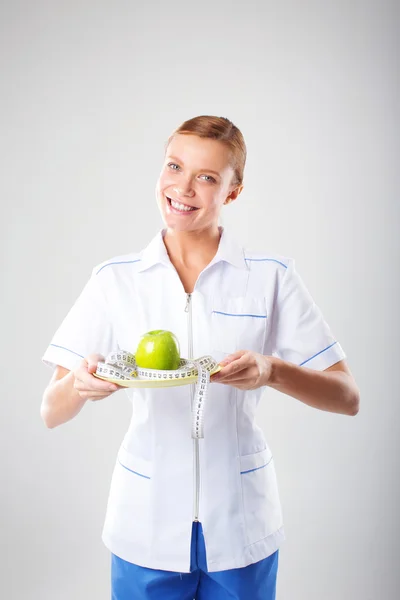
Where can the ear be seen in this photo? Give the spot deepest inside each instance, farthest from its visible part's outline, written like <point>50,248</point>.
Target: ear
<point>234,194</point>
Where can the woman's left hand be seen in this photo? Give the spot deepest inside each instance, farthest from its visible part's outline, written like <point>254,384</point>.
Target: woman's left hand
<point>245,370</point>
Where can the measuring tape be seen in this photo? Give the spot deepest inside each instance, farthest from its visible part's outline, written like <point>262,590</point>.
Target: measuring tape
<point>121,365</point>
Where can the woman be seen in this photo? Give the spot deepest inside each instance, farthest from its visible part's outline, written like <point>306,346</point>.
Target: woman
<point>189,518</point>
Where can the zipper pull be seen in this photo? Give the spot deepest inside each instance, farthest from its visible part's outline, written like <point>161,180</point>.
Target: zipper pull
<point>188,298</point>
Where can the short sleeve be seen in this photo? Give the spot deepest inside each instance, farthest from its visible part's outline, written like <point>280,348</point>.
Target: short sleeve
<point>86,329</point>
<point>299,333</point>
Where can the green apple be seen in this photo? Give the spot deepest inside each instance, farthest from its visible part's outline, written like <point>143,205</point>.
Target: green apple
<point>158,349</point>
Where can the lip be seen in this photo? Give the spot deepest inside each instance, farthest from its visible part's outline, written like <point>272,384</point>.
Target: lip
<point>175,200</point>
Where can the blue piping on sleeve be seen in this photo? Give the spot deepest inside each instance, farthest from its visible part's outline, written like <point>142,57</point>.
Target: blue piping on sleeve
<point>318,353</point>
<point>67,349</point>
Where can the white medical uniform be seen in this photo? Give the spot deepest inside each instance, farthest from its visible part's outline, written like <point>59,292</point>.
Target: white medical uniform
<point>241,300</point>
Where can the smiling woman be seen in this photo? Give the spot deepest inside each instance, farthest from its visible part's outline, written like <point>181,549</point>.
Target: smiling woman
<point>198,518</point>
<point>203,170</point>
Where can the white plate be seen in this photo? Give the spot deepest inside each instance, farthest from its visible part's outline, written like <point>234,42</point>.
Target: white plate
<point>155,383</point>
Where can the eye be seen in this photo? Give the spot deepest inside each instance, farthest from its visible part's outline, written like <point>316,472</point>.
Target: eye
<point>211,179</point>
<point>175,167</point>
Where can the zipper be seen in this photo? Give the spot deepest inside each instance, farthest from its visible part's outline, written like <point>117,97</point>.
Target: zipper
<point>196,456</point>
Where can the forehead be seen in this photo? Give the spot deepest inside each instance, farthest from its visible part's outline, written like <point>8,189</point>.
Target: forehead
<point>201,152</point>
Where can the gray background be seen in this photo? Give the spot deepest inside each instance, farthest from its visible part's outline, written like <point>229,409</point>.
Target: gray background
<point>90,91</point>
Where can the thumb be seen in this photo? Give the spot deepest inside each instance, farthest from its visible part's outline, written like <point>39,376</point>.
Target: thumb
<point>92,361</point>
<point>228,359</point>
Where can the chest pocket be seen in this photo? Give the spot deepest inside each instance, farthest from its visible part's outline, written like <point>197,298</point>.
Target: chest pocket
<point>239,323</point>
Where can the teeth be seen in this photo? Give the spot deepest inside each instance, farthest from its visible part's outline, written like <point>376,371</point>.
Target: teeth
<point>179,206</point>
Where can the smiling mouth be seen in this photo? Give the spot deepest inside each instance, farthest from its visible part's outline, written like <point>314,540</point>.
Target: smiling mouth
<point>179,206</point>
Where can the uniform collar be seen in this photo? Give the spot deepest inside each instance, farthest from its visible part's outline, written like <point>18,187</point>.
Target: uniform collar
<point>228,250</point>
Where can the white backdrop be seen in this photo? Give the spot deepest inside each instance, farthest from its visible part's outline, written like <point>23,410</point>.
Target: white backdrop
<point>90,91</point>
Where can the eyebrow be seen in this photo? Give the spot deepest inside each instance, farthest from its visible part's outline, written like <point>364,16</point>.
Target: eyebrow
<point>181,161</point>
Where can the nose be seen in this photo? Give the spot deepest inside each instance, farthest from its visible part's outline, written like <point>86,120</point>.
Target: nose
<point>184,188</point>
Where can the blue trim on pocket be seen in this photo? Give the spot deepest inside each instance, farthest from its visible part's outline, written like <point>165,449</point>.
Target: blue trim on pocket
<point>264,259</point>
<point>218,312</point>
<point>135,472</point>
<point>318,353</point>
<point>257,468</point>
<point>67,349</point>
<point>122,262</point>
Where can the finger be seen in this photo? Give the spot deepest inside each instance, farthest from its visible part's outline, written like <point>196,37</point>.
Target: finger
<point>231,357</point>
<point>238,381</point>
<point>90,395</point>
<point>87,382</point>
<point>240,384</point>
<point>85,369</point>
<point>92,361</point>
<point>234,367</point>
<point>241,376</point>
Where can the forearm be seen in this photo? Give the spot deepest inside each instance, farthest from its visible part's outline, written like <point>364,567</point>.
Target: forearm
<point>332,391</point>
<point>61,401</point>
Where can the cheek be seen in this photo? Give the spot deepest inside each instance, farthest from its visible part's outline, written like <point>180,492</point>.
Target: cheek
<point>162,185</point>
<point>216,203</point>
<point>165,180</point>
<point>159,193</point>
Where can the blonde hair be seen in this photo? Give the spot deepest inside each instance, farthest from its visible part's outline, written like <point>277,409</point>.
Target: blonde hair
<point>223,130</point>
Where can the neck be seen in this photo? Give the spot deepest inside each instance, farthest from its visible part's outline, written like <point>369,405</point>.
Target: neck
<point>192,248</point>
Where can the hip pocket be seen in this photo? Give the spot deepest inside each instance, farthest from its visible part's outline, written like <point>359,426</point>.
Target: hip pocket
<point>130,504</point>
<point>239,323</point>
<point>261,503</point>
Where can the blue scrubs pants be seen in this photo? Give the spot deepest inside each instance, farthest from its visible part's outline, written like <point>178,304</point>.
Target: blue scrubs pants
<point>256,581</point>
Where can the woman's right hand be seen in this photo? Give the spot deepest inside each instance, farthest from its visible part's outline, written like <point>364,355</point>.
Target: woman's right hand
<point>88,386</point>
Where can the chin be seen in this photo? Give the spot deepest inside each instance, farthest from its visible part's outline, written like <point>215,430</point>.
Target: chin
<point>173,225</point>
